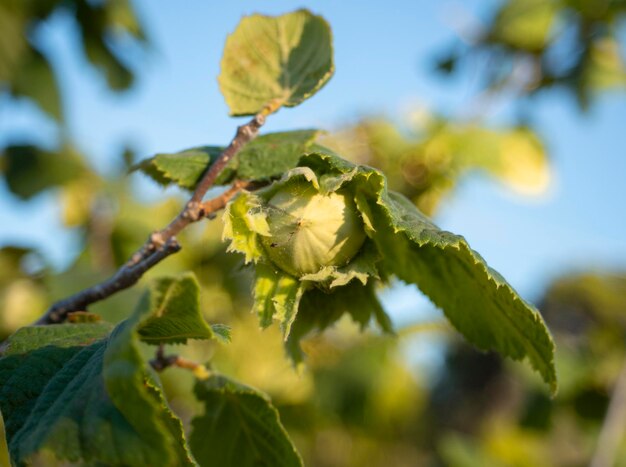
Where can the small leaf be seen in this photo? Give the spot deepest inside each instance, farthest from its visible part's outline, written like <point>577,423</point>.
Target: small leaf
<point>171,310</point>
<point>222,332</point>
<point>240,428</point>
<point>270,62</point>
<point>276,296</point>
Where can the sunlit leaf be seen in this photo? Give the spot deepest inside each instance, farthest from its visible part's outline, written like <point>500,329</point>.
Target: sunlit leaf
<point>275,61</point>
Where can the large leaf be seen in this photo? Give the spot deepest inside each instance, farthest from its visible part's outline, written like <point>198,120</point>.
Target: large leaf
<point>476,299</point>
<point>240,428</point>
<point>275,61</point>
<point>74,392</point>
<point>172,307</point>
<point>267,156</point>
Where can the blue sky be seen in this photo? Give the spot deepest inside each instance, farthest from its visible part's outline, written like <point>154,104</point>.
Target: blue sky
<point>382,53</point>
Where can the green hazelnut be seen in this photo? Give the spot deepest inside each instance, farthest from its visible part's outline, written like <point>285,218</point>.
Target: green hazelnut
<point>310,230</point>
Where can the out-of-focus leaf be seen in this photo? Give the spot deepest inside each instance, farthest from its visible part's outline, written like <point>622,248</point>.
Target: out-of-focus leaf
<point>4,449</point>
<point>525,24</point>
<point>30,170</point>
<point>240,428</point>
<point>275,61</point>
<point>13,44</point>
<point>35,79</point>
<point>171,307</point>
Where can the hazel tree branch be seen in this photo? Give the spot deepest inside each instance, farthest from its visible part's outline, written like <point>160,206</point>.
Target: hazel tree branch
<point>163,243</point>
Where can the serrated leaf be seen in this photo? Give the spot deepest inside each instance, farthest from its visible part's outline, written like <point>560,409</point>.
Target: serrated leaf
<point>171,310</point>
<point>264,157</point>
<point>74,393</point>
<point>275,61</point>
<point>476,299</point>
<point>184,168</point>
<point>240,428</point>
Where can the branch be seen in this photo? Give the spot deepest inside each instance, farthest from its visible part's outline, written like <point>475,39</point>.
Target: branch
<point>162,243</point>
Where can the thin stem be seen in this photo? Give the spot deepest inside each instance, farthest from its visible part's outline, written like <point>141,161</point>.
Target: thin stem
<point>614,424</point>
<point>162,243</point>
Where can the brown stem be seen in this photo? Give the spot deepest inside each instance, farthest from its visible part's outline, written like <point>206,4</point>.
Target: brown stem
<point>162,243</point>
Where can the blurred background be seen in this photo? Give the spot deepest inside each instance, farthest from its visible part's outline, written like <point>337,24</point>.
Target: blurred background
<point>503,120</point>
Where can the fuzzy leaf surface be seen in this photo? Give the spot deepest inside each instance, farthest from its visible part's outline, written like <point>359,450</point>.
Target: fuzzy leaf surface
<point>240,428</point>
<point>275,61</point>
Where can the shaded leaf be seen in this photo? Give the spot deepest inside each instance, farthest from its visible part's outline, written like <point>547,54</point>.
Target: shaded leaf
<point>275,61</point>
<point>171,309</point>
<point>239,428</point>
<point>320,309</point>
<point>76,393</point>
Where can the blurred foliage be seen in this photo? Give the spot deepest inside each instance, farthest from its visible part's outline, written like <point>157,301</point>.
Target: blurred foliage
<point>527,46</point>
<point>425,161</point>
<point>104,27</point>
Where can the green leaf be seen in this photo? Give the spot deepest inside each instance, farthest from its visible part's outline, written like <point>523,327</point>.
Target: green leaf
<point>222,332</point>
<point>272,155</point>
<point>4,449</point>
<point>35,79</point>
<point>171,309</point>
<point>240,428</point>
<point>30,170</point>
<point>183,168</point>
<point>320,309</point>
<point>74,393</point>
<point>30,338</point>
<point>270,62</point>
<point>265,157</point>
<point>276,297</point>
<point>525,24</point>
<point>477,300</point>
